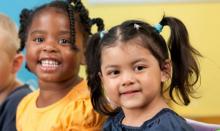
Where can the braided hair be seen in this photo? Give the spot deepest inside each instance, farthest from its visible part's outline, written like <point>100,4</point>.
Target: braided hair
<point>72,8</point>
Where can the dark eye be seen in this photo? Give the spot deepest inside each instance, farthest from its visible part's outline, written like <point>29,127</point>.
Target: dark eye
<point>64,42</point>
<point>113,73</point>
<point>139,68</point>
<point>38,40</point>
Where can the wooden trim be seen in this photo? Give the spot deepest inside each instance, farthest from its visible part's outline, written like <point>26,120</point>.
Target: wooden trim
<point>208,119</point>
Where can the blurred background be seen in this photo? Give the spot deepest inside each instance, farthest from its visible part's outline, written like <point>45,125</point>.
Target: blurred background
<point>201,18</point>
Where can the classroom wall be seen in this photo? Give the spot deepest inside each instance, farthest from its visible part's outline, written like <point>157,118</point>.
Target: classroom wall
<point>203,23</point>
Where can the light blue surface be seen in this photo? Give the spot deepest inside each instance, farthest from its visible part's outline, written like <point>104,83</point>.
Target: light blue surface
<point>12,8</point>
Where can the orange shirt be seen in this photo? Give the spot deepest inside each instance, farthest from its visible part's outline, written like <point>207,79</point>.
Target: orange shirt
<point>74,112</point>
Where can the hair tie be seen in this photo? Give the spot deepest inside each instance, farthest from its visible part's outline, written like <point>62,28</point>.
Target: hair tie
<point>158,27</point>
<point>136,26</point>
<point>101,34</point>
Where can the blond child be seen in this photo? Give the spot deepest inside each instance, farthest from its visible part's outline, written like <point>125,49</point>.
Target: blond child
<point>11,90</point>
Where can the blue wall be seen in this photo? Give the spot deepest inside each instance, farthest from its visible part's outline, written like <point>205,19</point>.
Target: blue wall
<point>12,8</point>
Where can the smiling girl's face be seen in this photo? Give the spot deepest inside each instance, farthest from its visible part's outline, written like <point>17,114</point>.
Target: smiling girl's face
<point>131,75</point>
<point>49,53</point>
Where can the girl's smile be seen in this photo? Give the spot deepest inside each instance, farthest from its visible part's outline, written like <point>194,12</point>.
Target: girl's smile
<point>133,80</point>
<point>130,92</point>
<point>49,52</point>
<point>49,65</point>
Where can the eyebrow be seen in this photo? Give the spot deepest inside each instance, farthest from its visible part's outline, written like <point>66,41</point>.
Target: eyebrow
<point>64,32</point>
<point>38,32</point>
<point>140,60</point>
<point>43,32</point>
<point>110,66</point>
<point>133,62</point>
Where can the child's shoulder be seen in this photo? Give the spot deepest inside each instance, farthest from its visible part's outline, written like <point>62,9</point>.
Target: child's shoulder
<point>19,93</point>
<point>16,96</point>
<point>113,122</point>
<point>78,99</point>
<point>9,106</point>
<point>79,95</point>
<point>75,109</point>
<point>79,92</point>
<point>168,120</point>
<point>80,107</point>
<point>27,100</point>
<point>165,120</point>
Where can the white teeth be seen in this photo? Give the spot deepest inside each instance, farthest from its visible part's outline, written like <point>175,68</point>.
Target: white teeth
<point>49,63</point>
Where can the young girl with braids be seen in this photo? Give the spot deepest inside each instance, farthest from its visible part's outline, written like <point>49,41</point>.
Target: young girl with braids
<point>54,35</point>
<point>128,66</point>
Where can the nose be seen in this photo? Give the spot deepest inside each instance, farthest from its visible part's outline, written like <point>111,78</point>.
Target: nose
<point>49,46</point>
<point>128,79</point>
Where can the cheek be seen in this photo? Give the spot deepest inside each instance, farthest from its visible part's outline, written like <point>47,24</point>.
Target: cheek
<point>71,58</point>
<point>71,63</point>
<point>31,52</point>
<point>112,94</point>
<point>111,88</point>
<point>151,83</point>
<point>30,58</point>
<point>4,73</point>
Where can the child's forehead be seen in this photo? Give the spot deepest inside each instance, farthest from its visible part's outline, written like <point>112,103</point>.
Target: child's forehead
<point>55,16</point>
<point>49,16</point>
<point>129,48</point>
<point>51,10</point>
<point>58,11</point>
<point>137,42</point>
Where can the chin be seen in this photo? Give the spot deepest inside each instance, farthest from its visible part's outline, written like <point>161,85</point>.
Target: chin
<point>49,78</point>
<point>132,105</point>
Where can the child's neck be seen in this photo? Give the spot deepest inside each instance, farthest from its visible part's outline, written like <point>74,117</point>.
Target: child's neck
<point>8,89</point>
<point>136,117</point>
<point>51,92</point>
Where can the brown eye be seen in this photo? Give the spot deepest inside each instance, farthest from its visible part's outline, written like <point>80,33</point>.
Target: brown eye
<point>38,40</point>
<point>64,42</point>
<point>113,73</point>
<point>139,68</point>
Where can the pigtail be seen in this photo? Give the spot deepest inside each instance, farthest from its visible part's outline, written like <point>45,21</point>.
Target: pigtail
<point>92,61</point>
<point>83,14</point>
<point>72,26</point>
<point>99,23</point>
<point>185,68</point>
<point>84,17</point>
<point>93,56</point>
<point>22,33</point>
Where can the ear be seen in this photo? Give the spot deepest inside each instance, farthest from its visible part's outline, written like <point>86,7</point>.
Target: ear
<point>17,62</point>
<point>166,70</point>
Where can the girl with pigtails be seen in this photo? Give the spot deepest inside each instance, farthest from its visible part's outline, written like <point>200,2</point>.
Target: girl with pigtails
<point>128,66</point>
<point>54,36</point>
